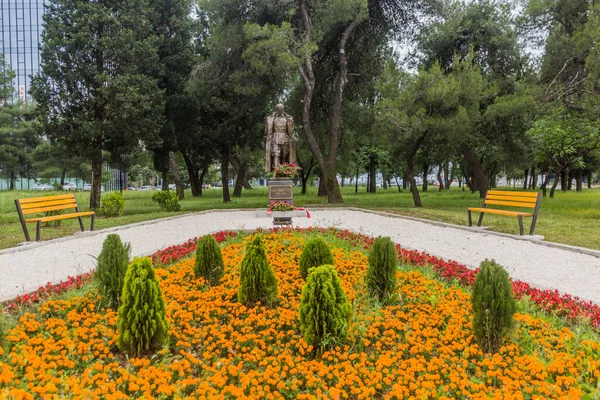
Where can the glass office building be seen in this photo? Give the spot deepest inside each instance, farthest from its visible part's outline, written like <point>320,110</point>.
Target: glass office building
<point>20,37</point>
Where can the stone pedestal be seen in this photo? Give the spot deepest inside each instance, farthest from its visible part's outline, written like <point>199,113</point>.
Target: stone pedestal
<point>281,189</point>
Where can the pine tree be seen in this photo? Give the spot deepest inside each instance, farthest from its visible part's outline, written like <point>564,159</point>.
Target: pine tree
<point>493,305</point>
<point>142,322</point>
<point>381,273</point>
<point>257,279</point>
<point>111,270</point>
<point>315,253</point>
<point>324,309</point>
<point>209,261</point>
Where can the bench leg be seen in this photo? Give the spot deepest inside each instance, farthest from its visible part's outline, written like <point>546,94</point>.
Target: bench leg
<point>533,224</point>
<point>480,219</point>
<point>38,231</point>
<point>470,219</point>
<point>81,224</point>
<point>521,232</point>
<point>93,219</point>
<point>22,219</point>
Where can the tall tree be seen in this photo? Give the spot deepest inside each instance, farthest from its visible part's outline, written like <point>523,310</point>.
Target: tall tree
<point>18,137</point>
<point>95,80</point>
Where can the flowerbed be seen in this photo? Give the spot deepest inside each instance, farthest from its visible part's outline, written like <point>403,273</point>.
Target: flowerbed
<point>422,346</point>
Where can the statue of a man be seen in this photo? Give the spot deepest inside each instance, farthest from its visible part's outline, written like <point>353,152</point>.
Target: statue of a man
<point>280,147</point>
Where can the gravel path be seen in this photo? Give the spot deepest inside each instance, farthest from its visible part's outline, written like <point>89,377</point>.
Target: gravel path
<point>26,268</point>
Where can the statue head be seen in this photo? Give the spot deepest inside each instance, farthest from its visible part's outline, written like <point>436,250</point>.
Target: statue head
<point>279,109</point>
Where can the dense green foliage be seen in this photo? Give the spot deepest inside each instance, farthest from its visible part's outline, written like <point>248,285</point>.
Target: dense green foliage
<point>257,279</point>
<point>381,274</point>
<point>111,269</point>
<point>112,205</point>
<point>315,253</point>
<point>324,309</point>
<point>493,305</point>
<point>142,322</point>
<point>209,261</point>
<point>167,201</point>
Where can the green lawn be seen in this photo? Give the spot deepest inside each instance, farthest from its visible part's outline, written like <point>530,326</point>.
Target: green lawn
<point>570,218</point>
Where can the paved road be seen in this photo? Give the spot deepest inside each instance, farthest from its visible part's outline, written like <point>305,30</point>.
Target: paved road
<point>26,268</point>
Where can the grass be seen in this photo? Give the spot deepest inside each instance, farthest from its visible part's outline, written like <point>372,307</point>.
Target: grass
<point>570,218</point>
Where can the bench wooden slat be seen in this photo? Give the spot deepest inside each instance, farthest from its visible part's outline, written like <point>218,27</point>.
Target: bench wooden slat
<point>59,217</point>
<point>511,193</point>
<point>62,202</point>
<point>51,208</point>
<point>46,198</point>
<point>501,212</point>
<point>510,203</point>
<point>512,198</point>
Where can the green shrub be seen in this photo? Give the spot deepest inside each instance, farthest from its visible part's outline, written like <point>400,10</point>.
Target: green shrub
<point>324,309</point>
<point>112,205</point>
<point>315,253</point>
<point>381,273</point>
<point>493,305</point>
<point>142,323</point>
<point>111,270</point>
<point>257,280</point>
<point>167,201</point>
<point>209,261</point>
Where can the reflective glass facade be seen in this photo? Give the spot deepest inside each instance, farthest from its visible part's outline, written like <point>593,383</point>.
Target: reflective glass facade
<point>20,37</point>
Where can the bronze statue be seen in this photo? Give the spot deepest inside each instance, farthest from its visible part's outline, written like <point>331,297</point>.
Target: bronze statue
<point>280,147</point>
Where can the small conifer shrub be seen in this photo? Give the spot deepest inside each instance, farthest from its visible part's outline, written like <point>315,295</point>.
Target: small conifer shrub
<point>257,279</point>
<point>315,253</point>
<point>381,273</point>
<point>142,323</point>
<point>209,261</point>
<point>111,270</point>
<point>324,309</point>
<point>493,305</point>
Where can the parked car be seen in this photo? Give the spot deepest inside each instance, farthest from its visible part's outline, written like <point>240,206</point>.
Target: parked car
<point>132,188</point>
<point>40,186</point>
<point>87,187</point>
<point>144,187</point>
<point>205,186</point>
<point>172,186</point>
<point>69,186</point>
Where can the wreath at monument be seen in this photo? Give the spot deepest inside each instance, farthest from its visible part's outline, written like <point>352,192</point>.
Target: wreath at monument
<point>286,171</point>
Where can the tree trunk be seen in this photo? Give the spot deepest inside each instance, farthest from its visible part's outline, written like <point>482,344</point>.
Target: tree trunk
<point>343,179</point>
<point>372,187</point>
<point>334,195</point>
<point>526,178</point>
<point>563,180</point>
<point>589,179</point>
<point>356,181</point>
<point>404,181</point>
<point>450,179</point>
<point>176,175</point>
<point>533,182</point>
<point>192,171</point>
<point>570,177</point>
<point>63,177</point>
<point>414,190</point>
<point>11,180</point>
<point>398,183</point>
<point>225,174</point>
<point>479,180</point>
<point>579,181</point>
<point>439,178</point>
<point>165,178</point>
<point>239,180</point>
<point>425,173</point>
<point>559,175</point>
<point>96,176</point>
<point>321,192</point>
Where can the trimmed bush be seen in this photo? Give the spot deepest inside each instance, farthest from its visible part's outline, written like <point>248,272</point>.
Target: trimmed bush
<point>493,305</point>
<point>167,200</point>
<point>257,280</point>
<point>324,309</point>
<point>142,324</point>
<point>315,253</point>
<point>112,205</point>
<point>111,269</point>
<point>209,261</point>
<point>381,273</point>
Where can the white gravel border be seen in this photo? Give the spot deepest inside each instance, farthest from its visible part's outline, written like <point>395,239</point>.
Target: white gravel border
<point>544,265</point>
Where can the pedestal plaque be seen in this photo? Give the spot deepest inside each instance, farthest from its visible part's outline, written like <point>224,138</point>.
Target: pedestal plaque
<point>281,189</point>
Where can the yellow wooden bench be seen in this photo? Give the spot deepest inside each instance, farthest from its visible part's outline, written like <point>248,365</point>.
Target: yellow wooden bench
<point>39,205</point>
<point>510,199</point>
